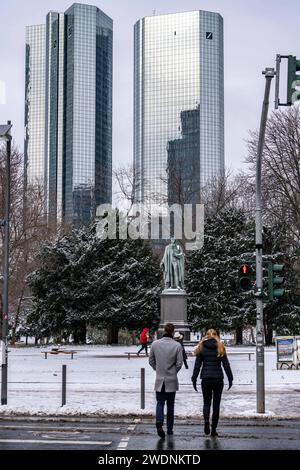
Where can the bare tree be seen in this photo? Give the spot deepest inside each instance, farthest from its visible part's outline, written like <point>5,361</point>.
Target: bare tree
<point>281,169</point>
<point>124,183</point>
<point>225,190</point>
<point>127,184</point>
<point>28,228</point>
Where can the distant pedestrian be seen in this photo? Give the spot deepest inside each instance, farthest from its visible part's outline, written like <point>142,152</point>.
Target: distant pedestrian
<point>179,338</point>
<point>166,359</point>
<point>144,337</point>
<point>210,355</point>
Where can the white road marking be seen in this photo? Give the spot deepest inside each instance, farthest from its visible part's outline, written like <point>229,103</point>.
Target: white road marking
<point>125,440</point>
<point>123,443</point>
<point>60,429</point>
<point>43,441</point>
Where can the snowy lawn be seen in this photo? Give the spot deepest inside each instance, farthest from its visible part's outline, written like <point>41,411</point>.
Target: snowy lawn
<point>98,385</point>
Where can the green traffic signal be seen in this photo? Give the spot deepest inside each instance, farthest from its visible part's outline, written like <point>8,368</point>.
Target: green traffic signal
<point>293,80</point>
<point>275,281</point>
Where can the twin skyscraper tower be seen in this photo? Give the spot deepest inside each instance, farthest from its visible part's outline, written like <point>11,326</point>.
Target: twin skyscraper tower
<point>178,107</point>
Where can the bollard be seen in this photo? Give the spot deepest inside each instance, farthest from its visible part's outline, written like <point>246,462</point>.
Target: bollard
<point>142,388</point>
<point>64,385</point>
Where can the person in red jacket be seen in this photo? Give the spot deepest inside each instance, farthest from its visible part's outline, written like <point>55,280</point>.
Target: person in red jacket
<point>144,336</point>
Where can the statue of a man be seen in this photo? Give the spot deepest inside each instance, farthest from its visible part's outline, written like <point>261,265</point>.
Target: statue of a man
<point>173,266</point>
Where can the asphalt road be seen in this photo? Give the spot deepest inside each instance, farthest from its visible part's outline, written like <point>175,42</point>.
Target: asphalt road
<point>140,434</point>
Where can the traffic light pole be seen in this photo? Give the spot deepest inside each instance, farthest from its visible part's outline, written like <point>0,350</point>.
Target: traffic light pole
<point>260,354</point>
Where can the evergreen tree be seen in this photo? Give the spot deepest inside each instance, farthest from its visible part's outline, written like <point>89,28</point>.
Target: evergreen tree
<point>283,314</point>
<point>212,273</point>
<point>86,280</point>
<point>215,300</point>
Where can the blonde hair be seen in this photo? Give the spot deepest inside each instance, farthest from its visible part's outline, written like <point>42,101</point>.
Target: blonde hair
<point>210,334</point>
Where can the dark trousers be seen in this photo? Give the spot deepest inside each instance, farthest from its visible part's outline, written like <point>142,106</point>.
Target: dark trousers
<point>212,391</point>
<point>144,346</point>
<point>162,397</point>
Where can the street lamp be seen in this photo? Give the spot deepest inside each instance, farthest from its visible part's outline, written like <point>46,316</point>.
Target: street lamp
<point>260,351</point>
<point>5,135</point>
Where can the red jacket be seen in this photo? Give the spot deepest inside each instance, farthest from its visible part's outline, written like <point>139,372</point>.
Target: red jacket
<point>144,336</point>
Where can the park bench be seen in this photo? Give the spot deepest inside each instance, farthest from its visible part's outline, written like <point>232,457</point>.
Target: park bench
<point>234,353</point>
<point>237,353</point>
<point>130,353</point>
<point>59,351</point>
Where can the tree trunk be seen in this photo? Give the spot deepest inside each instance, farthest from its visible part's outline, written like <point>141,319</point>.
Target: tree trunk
<point>239,335</point>
<point>79,333</point>
<point>268,334</point>
<point>112,335</point>
<point>82,333</point>
<point>16,320</point>
<point>13,336</point>
<point>133,338</point>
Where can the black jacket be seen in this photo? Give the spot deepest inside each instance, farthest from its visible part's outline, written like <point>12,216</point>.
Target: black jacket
<point>211,363</point>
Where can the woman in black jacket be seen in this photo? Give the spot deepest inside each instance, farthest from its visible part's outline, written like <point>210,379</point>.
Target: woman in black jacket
<point>211,354</point>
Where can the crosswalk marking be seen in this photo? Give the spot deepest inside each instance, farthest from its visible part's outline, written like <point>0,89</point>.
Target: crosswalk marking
<point>50,441</point>
<point>125,440</point>
<point>58,429</point>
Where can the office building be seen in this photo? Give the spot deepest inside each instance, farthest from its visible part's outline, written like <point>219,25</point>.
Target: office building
<point>68,111</point>
<point>178,84</point>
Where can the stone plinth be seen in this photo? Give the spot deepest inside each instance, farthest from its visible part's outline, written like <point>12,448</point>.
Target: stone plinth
<point>173,309</point>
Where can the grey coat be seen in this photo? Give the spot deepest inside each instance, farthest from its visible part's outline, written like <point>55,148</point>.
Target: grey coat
<point>166,359</point>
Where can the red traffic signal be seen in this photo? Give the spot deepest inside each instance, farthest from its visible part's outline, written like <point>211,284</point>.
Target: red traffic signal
<point>245,280</point>
<point>245,270</point>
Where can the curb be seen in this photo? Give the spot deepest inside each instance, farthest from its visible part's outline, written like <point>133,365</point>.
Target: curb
<point>145,417</point>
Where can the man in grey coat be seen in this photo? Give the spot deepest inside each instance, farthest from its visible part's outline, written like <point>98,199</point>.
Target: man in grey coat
<point>166,359</point>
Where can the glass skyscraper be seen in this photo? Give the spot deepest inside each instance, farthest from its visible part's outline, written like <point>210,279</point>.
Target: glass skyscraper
<point>35,73</point>
<point>178,100</point>
<point>70,87</point>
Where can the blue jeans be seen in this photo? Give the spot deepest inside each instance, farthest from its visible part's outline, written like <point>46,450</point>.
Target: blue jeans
<point>162,397</point>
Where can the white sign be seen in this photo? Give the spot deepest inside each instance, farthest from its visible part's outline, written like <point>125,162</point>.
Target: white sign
<point>2,352</point>
<point>297,349</point>
<point>285,349</point>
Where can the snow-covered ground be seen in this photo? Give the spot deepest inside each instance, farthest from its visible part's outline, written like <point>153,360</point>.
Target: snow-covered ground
<point>98,385</point>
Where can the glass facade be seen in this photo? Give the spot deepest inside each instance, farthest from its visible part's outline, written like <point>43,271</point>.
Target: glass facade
<point>54,113</point>
<point>35,56</point>
<point>183,164</point>
<point>78,113</point>
<point>178,84</point>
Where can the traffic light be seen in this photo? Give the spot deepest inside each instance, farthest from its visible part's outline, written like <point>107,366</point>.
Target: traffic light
<point>293,80</point>
<point>245,278</point>
<point>275,280</point>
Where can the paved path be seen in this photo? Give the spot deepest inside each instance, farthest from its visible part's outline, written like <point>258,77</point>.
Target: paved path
<point>136,434</point>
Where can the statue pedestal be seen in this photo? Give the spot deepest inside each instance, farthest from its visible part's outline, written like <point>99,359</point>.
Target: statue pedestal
<point>173,309</point>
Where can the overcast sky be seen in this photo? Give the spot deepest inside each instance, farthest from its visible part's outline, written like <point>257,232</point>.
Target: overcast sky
<point>254,31</point>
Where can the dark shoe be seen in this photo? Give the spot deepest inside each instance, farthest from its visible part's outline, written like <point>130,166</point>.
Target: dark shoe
<point>206,428</point>
<point>214,433</point>
<point>170,432</point>
<point>160,430</point>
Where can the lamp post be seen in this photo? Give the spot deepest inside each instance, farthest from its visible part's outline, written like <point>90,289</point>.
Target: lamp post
<point>269,74</point>
<point>5,135</point>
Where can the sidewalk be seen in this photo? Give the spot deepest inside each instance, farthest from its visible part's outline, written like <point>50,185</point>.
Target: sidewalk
<point>103,386</point>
